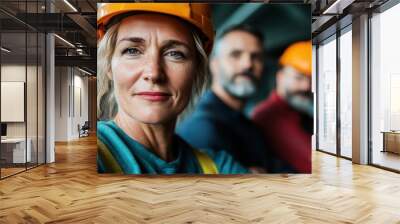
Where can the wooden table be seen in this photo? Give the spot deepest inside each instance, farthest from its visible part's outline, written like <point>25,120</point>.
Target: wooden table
<point>13,150</point>
<point>391,141</point>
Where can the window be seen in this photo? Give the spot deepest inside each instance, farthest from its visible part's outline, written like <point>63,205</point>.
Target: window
<point>327,96</point>
<point>385,89</point>
<point>346,92</point>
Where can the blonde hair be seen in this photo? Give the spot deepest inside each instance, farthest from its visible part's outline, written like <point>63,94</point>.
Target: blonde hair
<point>107,105</point>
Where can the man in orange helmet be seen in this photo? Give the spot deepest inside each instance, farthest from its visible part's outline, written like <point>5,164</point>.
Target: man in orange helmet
<point>286,116</point>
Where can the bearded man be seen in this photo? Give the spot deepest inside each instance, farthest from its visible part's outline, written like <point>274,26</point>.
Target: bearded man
<point>218,122</point>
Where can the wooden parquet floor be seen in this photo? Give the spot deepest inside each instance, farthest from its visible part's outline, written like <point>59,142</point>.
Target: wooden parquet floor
<point>70,191</point>
<point>10,171</point>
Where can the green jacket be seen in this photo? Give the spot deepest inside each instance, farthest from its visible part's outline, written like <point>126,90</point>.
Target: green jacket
<point>119,153</point>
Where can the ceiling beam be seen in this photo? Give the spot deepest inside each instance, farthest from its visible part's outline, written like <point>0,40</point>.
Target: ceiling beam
<point>83,61</point>
<point>337,7</point>
<point>240,15</point>
<point>86,26</point>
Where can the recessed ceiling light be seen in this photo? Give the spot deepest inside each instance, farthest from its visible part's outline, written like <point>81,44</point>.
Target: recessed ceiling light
<point>5,49</point>
<point>64,40</point>
<point>84,71</point>
<point>70,5</point>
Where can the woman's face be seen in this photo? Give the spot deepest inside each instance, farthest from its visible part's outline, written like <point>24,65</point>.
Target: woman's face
<point>152,67</point>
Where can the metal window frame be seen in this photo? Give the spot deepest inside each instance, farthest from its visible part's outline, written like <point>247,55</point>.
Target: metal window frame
<point>339,32</point>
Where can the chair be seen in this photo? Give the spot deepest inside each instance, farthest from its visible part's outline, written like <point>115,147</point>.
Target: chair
<point>84,130</point>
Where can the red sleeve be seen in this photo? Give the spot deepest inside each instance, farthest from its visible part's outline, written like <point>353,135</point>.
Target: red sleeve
<point>286,138</point>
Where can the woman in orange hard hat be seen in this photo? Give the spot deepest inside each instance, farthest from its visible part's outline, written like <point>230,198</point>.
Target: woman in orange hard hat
<point>152,60</point>
<point>288,112</point>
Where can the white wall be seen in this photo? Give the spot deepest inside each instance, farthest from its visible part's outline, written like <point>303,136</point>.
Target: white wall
<point>70,83</point>
<point>61,103</point>
<point>80,102</point>
<point>12,73</point>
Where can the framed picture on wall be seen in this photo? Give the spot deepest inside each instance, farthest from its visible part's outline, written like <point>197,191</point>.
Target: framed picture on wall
<point>12,101</point>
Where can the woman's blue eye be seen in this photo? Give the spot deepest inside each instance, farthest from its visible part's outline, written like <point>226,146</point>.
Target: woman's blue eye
<point>131,51</point>
<point>176,54</point>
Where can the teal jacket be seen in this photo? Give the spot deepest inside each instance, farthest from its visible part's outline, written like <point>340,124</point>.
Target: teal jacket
<point>119,153</point>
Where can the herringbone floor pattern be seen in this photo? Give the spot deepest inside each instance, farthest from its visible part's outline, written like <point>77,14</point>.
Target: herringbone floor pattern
<point>70,191</point>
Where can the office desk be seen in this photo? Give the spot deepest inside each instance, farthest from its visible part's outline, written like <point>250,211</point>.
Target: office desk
<point>13,150</point>
<point>391,141</point>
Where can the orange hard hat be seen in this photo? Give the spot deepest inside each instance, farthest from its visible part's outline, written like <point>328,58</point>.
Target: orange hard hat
<point>298,56</point>
<point>197,14</point>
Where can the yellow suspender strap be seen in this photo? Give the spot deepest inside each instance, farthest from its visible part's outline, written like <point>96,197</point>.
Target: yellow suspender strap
<point>207,164</point>
<point>107,158</point>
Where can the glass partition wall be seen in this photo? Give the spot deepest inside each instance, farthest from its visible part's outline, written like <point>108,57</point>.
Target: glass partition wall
<point>22,88</point>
